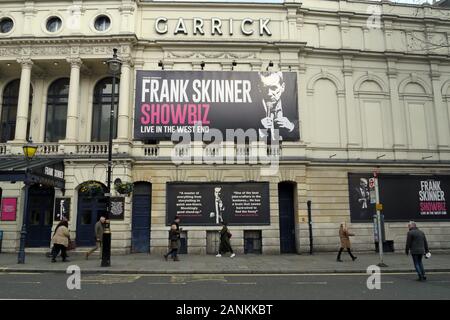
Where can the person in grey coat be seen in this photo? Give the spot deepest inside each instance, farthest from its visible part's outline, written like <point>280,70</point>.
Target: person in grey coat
<point>416,243</point>
<point>99,229</point>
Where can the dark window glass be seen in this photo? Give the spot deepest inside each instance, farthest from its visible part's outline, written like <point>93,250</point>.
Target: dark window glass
<point>86,217</point>
<point>9,111</point>
<point>57,99</point>
<point>101,110</point>
<point>6,25</point>
<point>54,24</point>
<point>35,217</point>
<point>102,23</point>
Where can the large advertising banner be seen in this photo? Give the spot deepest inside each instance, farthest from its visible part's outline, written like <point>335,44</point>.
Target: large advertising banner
<point>404,197</point>
<point>203,204</point>
<point>170,102</point>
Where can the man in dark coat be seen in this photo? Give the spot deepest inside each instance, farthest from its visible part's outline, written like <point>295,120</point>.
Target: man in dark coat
<point>416,243</point>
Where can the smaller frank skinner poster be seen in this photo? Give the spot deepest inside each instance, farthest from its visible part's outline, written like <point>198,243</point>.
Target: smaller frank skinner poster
<point>202,204</point>
<point>404,197</point>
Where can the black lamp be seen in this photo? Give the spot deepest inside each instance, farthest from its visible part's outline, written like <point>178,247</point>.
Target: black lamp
<point>29,150</point>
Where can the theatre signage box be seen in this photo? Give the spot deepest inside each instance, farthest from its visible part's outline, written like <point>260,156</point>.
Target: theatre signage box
<point>169,102</point>
<point>213,26</point>
<point>404,197</point>
<point>203,204</point>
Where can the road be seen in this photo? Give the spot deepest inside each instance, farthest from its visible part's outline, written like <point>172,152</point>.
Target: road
<point>222,287</point>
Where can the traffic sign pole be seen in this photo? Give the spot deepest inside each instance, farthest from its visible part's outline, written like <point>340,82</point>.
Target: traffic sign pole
<point>380,234</point>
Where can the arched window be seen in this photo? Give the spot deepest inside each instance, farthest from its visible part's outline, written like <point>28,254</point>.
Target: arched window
<point>326,113</point>
<point>9,111</point>
<point>57,99</point>
<point>101,110</point>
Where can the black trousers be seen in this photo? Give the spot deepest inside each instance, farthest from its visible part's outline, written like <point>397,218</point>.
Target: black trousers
<point>349,252</point>
<point>57,248</point>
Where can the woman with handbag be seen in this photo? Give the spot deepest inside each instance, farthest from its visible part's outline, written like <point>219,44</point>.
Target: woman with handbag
<point>225,245</point>
<point>344,235</point>
<point>60,241</point>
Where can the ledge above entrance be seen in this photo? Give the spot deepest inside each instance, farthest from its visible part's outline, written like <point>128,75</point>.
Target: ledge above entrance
<point>49,172</point>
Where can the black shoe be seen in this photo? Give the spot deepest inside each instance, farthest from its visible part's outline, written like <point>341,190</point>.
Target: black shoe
<point>53,260</point>
<point>354,258</point>
<point>339,260</point>
<point>165,257</point>
<point>424,278</point>
<point>65,260</point>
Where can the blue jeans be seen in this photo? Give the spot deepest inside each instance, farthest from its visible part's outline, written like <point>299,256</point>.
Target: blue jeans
<point>417,259</point>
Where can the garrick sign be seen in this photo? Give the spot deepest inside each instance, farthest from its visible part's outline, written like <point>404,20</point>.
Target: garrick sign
<point>213,26</point>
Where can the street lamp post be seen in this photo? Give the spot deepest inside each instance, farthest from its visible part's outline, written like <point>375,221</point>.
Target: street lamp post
<point>114,66</point>
<point>29,150</point>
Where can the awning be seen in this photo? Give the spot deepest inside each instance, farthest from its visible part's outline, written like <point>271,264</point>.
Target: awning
<point>48,172</point>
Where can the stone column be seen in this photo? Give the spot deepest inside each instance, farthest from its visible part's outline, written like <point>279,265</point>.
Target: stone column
<point>24,101</point>
<point>442,129</point>
<point>124,102</point>
<point>353,123</point>
<point>72,107</point>
<point>398,118</point>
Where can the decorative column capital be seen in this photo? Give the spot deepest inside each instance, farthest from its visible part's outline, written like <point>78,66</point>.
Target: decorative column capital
<point>26,63</point>
<point>75,62</point>
<point>127,62</point>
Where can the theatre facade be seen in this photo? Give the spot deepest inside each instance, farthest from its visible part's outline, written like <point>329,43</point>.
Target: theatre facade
<point>235,112</point>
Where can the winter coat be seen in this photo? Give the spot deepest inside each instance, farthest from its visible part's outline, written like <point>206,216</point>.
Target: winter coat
<point>61,236</point>
<point>416,242</point>
<point>99,229</point>
<point>225,245</point>
<point>174,239</point>
<point>344,235</point>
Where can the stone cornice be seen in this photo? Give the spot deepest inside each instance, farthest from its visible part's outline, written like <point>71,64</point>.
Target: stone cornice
<point>132,39</point>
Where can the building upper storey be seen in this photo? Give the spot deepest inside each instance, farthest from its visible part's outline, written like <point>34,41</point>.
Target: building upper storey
<point>373,76</point>
<point>370,26</point>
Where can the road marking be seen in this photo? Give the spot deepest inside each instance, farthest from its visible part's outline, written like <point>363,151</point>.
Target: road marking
<point>20,273</point>
<point>23,282</point>
<point>166,283</point>
<point>240,283</point>
<point>262,275</point>
<point>312,282</point>
<point>197,278</point>
<point>111,279</point>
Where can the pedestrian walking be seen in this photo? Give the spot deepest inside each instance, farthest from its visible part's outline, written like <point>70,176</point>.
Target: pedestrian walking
<point>225,245</point>
<point>99,229</point>
<point>176,222</point>
<point>344,235</point>
<point>416,243</point>
<point>173,243</point>
<point>60,241</point>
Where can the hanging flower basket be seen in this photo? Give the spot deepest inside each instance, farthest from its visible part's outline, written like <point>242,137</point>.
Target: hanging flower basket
<point>91,189</point>
<point>124,188</point>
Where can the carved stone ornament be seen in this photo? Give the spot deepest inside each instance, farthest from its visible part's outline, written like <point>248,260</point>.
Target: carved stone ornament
<point>211,55</point>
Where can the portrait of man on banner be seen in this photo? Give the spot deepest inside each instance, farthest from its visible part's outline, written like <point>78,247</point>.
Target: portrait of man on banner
<point>272,87</point>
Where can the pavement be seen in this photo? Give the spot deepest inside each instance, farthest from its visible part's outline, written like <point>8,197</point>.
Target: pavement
<point>320,263</point>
